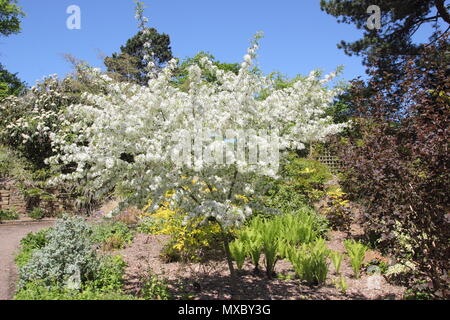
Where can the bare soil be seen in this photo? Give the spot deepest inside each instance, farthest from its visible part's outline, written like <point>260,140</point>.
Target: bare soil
<point>10,236</point>
<point>212,281</point>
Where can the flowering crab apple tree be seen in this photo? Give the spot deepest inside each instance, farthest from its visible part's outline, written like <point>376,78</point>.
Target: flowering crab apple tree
<point>149,140</point>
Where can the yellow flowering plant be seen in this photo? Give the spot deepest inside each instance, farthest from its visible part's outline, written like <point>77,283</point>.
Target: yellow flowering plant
<point>338,210</point>
<point>190,238</point>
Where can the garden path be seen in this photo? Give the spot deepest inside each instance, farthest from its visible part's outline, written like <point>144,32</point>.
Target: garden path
<point>10,236</point>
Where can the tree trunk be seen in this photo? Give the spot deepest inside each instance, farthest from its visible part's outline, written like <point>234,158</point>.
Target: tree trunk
<point>235,290</point>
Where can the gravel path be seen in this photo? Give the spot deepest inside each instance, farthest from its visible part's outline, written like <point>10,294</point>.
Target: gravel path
<point>10,236</point>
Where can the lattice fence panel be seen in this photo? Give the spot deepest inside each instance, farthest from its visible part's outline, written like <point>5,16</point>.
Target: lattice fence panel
<point>329,159</point>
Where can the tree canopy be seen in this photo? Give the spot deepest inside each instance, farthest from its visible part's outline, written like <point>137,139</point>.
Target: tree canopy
<point>130,64</point>
<point>10,84</point>
<point>182,73</point>
<point>10,14</point>
<point>390,46</point>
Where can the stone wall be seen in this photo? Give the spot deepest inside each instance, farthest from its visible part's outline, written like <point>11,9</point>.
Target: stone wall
<point>12,198</point>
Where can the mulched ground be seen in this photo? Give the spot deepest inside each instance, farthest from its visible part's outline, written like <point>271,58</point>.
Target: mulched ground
<point>212,281</point>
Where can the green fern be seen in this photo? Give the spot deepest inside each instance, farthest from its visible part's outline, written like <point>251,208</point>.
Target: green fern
<point>336,258</point>
<point>310,261</point>
<point>357,252</point>
<point>237,249</point>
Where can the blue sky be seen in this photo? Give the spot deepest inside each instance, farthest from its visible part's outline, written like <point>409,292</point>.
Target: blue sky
<point>299,37</point>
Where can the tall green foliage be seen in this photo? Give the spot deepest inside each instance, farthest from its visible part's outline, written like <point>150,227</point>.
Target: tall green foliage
<point>10,84</point>
<point>301,182</point>
<point>237,249</point>
<point>310,261</point>
<point>274,237</point>
<point>251,239</point>
<point>390,46</point>
<point>129,65</point>
<point>10,14</point>
<point>357,252</point>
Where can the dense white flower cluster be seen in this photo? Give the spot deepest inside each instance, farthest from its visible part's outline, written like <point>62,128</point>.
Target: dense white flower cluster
<point>126,136</point>
<point>27,122</point>
<point>30,119</point>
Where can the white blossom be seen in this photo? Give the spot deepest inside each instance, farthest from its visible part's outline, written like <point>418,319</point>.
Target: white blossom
<point>147,122</point>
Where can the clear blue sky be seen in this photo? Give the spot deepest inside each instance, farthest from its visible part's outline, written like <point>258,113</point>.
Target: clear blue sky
<point>299,37</point>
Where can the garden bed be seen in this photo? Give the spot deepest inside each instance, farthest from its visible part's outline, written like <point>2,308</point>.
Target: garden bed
<point>212,280</point>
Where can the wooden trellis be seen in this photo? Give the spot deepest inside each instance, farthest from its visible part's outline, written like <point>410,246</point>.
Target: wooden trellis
<point>326,157</point>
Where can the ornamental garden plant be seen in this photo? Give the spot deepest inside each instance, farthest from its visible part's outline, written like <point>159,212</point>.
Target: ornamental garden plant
<point>199,179</point>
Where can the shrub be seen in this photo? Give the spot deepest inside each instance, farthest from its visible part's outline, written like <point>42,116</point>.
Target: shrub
<point>397,167</point>
<point>130,216</point>
<point>154,288</point>
<point>302,182</point>
<point>419,290</point>
<point>36,213</point>
<point>109,275</point>
<point>310,261</point>
<point>67,257</point>
<point>337,210</point>
<point>38,291</point>
<point>191,240</point>
<point>112,235</point>
<point>28,121</point>
<point>401,273</point>
<point>357,252</point>
<point>8,214</point>
<point>105,282</point>
<point>33,241</point>
<point>12,165</point>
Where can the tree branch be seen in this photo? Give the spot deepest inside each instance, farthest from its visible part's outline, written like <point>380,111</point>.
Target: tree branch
<point>232,185</point>
<point>440,5</point>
